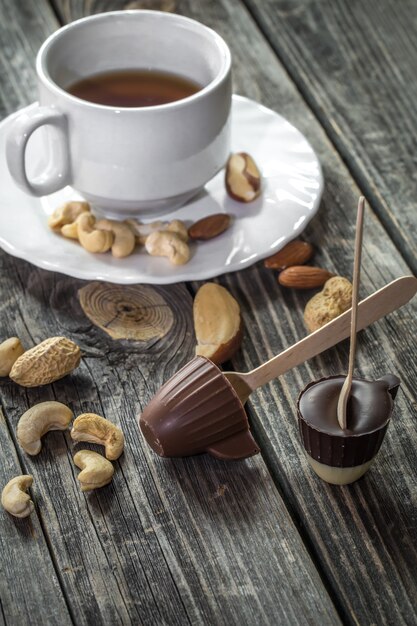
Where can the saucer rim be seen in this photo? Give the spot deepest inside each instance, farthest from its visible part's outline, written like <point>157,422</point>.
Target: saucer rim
<point>170,279</point>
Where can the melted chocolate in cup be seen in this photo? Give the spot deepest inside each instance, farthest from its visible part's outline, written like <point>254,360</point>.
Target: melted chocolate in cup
<point>197,411</point>
<point>342,456</point>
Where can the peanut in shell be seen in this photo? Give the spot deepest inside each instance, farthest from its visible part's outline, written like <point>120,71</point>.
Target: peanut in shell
<point>50,360</point>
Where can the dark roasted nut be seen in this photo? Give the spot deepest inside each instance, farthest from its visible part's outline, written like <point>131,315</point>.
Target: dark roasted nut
<point>303,277</point>
<point>210,226</point>
<point>294,253</point>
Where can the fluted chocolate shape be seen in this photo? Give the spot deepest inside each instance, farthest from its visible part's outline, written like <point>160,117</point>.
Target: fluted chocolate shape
<point>369,411</point>
<point>197,411</point>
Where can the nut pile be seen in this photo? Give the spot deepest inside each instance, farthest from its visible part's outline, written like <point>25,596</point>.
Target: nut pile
<point>49,361</point>
<point>336,297</point>
<point>74,220</point>
<point>41,418</point>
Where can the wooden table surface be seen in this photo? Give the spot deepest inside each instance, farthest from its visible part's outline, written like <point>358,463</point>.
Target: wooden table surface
<point>262,541</point>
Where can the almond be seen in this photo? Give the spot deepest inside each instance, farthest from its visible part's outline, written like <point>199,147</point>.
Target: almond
<point>303,277</point>
<point>210,226</point>
<point>217,323</point>
<point>243,178</point>
<point>48,361</point>
<point>296,252</point>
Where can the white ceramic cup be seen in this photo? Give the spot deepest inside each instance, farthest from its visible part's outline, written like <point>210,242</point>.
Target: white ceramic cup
<point>128,161</point>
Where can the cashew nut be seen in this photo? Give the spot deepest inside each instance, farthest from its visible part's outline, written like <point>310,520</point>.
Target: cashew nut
<point>70,230</point>
<point>67,214</point>
<point>14,497</point>
<point>168,244</point>
<point>38,420</point>
<point>178,227</point>
<point>92,239</point>
<point>96,429</point>
<point>124,237</point>
<point>96,470</point>
<point>142,231</point>
<point>10,351</point>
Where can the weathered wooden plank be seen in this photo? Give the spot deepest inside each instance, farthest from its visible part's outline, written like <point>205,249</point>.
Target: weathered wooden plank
<point>338,521</point>
<point>255,81</point>
<point>70,10</point>
<point>354,63</point>
<point>378,561</point>
<point>375,579</point>
<point>23,29</point>
<point>192,541</point>
<point>217,535</point>
<point>25,597</point>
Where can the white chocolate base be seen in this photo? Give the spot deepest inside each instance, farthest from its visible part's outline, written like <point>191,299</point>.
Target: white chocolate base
<point>338,475</point>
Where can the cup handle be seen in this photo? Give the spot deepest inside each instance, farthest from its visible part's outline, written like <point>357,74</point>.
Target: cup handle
<point>57,173</point>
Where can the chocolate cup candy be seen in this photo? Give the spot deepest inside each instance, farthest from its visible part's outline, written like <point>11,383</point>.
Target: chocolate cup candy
<point>342,456</point>
<point>198,411</point>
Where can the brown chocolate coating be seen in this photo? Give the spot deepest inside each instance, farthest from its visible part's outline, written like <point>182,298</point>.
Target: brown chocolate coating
<point>197,411</point>
<point>368,413</point>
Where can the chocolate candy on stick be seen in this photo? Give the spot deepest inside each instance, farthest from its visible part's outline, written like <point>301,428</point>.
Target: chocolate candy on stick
<point>200,409</point>
<point>342,456</point>
<point>197,411</point>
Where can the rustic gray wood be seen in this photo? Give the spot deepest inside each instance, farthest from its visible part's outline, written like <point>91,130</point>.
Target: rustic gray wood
<point>194,541</point>
<point>24,595</point>
<point>355,65</point>
<point>24,27</point>
<point>351,529</point>
<point>69,10</point>
<point>334,521</point>
<point>189,541</point>
<point>360,537</point>
<point>29,588</point>
<point>367,558</point>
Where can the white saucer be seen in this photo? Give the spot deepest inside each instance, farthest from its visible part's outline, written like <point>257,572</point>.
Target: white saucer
<point>292,188</point>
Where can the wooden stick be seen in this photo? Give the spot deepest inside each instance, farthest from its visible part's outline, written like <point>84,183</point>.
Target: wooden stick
<point>344,394</point>
<point>384,301</point>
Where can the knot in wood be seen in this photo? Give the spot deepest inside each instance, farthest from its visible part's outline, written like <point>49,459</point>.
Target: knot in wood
<point>135,312</point>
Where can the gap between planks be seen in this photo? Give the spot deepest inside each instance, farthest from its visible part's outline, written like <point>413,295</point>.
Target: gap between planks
<point>24,470</point>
